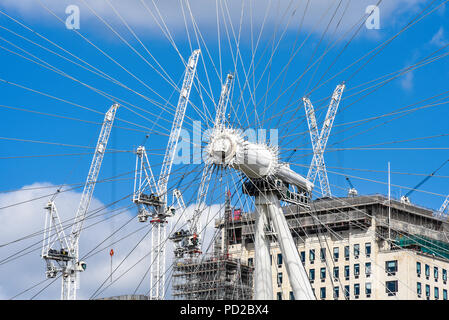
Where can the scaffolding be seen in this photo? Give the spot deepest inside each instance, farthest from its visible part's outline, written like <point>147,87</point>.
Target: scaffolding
<point>212,278</point>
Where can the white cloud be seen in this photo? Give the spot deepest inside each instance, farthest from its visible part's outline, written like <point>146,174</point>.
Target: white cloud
<point>407,81</point>
<point>204,12</point>
<point>439,38</point>
<point>28,218</point>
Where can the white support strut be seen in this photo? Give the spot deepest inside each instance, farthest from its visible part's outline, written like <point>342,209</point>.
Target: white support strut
<point>269,204</point>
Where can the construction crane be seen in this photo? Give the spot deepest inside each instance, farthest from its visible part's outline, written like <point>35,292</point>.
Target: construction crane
<point>188,241</point>
<point>154,205</point>
<point>352,192</point>
<point>405,199</point>
<point>443,212</point>
<point>319,140</point>
<point>61,252</point>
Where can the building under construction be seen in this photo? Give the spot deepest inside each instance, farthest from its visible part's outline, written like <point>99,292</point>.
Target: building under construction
<point>212,278</point>
<point>216,276</point>
<point>362,247</point>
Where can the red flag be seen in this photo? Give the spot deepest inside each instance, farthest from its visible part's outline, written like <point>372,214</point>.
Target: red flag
<point>111,253</point>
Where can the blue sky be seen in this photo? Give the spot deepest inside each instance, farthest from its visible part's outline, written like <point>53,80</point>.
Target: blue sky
<point>421,40</point>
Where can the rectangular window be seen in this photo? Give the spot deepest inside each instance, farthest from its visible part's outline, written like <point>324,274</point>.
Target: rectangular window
<point>347,272</point>
<point>435,273</point>
<point>279,279</point>
<point>336,292</point>
<point>312,255</point>
<point>444,272</point>
<point>336,253</point>
<point>427,267</point>
<point>323,254</point>
<point>427,291</point>
<point>418,288</point>
<point>279,259</point>
<point>347,292</point>
<point>368,288</point>
<point>347,253</point>
<point>357,269</point>
<point>250,262</point>
<point>368,249</point>
<point>444,294</point>
<point>368,269</point>
<point>437,293</point>
<point>303,256</point>
<point>391,287</point>
<point>323,293</point>
<point>312,274</point>
<point>292,296</point>
<point>391,267</point>
<point>356,250</point>
<point>323,273</point>
<point>356,289</point>
<point>279,295</point>
<point>336,272</point>
<point>418,268</point>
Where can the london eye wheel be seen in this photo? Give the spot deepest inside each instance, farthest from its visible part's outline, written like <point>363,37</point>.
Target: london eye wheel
<point>246,149</point>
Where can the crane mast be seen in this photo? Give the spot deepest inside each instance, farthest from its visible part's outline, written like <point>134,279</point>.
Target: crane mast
<point>155,203</point>
<point>177,124</point>
<point>67,257</point>
<point>319,140</point>
<point>188,242</point>
<point>442,212</point>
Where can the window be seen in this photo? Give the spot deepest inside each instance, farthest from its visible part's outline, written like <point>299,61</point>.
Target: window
<point>312,255</point>
<point>346,291</point>
<point>391,287</point>
<point>303,256</point>
<point>391,267</point>
<point>418,289</point>
<point>336,253</point>
<point>323,274</point>
<point>271,259</point>
<point>323,293</point>
<point>356,269</point>
<point>368,289</point>
<point>312,274</point>
<point>279,259</point>
<point>347,272</point>
<point>444,294</point>
<point>279,295</point>
<point>437,293</point>
<point>444,272</point>
<point>427,291</point>
<point>356,250</point>
<point>250,262</point>
<point>368,269</point>
<point>347,253</point>
<point>336,292</point>
<point>427,271</point>
<point>323,254</point>
<point>435,273</point>
<point>418,268</point>
<point>356,290</point>
<point>279,279</point>
<point>336,273</point>
<point>368,249</point>
<point>292,296</point>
